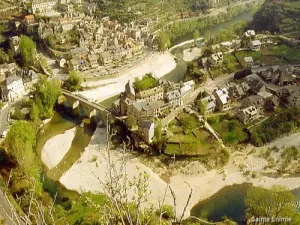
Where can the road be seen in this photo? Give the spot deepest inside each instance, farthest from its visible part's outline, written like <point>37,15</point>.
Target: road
<point>4,124</point>
<point>8,213</point>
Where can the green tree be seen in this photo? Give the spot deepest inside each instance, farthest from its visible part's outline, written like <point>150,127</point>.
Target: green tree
<point>207,36</point>
<point>203,107</point>
<point>131,121</point>
<point>73,83</point>
<point>35,113</point>
<point>276,202</point>
<point>163,41</point>
<point>18,115</point>
<point>27,50</point>
<point>196,35</point>
<point>47,93</point>
<point>4,58</point>
<point>20,141</point>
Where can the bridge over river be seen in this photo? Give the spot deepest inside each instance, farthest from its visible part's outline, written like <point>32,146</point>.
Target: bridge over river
<point>84,107</point>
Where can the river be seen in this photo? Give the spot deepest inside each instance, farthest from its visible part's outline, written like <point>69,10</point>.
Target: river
<point>61,122</point>
<point>178,73</point>
<point>216,28</point>
<point>228,201</point>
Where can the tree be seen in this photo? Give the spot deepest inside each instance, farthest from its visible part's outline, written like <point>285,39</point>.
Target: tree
<point>35,113</point>
<point>27,50</point>
<point>73,83</point>
<point>276,202</point>
<point>196,35</point>
<point>163,41</point>
<point>203,107</point>
<point>160,141</point>
<point>131,121</point>
<point>46,93</point>
<point>207,35</point>
<point>4,58</point>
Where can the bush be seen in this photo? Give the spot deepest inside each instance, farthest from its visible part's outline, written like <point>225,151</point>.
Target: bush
<point>272,128</point>
<point>147,82</point>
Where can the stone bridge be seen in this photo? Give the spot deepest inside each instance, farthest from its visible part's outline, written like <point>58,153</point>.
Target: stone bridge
<point>84,107</point>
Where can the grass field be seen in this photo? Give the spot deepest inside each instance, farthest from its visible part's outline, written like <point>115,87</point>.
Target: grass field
<point>108,102</point>
<point>196,142</point>
<point>272,55</point>
<point>230,130</point>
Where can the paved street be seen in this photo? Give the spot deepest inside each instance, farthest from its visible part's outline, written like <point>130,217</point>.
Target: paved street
<point>6,212</point>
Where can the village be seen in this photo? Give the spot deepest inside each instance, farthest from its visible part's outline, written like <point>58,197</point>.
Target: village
<point>199,114</point>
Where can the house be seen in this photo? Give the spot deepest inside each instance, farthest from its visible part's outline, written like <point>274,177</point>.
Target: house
<point>14,44</point>
<point>29,19</point>
<point>80,52</point>
<point>29,79</point>
<point>173,98</point>
<point>186,88</point>
<point>294,96</point>
<point>239,90</point>
<point>216,59</point>
<point>248,114</point>
<point>272,103</point>
<point>8,69</point>
<point>253,100</point>
<point>255,83</point>
<point>146,130</point>
<point>248,62</point>
<point>12,88</point>
<point>255,45</point>
<point>42,6</point>
<point>106,58</point>
<point>249,34</point>
<point>279,75</point>
<point>93,59</point>
<point>74,64</point>
<point>210,103</point>
<point>222,99</point>
<point>151,95</point>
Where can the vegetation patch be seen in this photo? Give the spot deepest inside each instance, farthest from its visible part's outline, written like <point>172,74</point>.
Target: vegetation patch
<point>231,131</point>
<point>188,139</point>
<point>147,82</point>
<point>284,123</point>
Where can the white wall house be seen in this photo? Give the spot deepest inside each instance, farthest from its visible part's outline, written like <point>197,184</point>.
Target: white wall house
<point>255,45</point>
<point>43,5</point>
<point>12,89</point>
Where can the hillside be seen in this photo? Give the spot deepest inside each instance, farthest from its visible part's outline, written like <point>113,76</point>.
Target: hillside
<point>278,16</point>
<point>162,9</point>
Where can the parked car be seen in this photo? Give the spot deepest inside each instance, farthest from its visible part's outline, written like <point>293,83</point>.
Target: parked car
<point>4,133</point>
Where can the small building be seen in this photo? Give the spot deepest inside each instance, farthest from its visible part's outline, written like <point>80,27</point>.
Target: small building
<point>43,6</point>
<point>253,100</point>
<point>74,64</point>
<point>294,96</point>
<point>255,45</point>
<point>216,59</point>
<point>29,19</point>
<point>106,58</point>
<point>14,44</point>
<point>93,59</point>
<point>238,90</point>
<point>12,88</point>
<point>250,33</point>
<point>222,99</point>
<point>248,62</point>
<point>248,115</point>
<point>210,102</point>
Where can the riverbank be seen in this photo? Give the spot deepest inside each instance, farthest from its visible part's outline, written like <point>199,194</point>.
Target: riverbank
<point>159,64</point>
<point>85,174</point>
<point>56,148</point>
